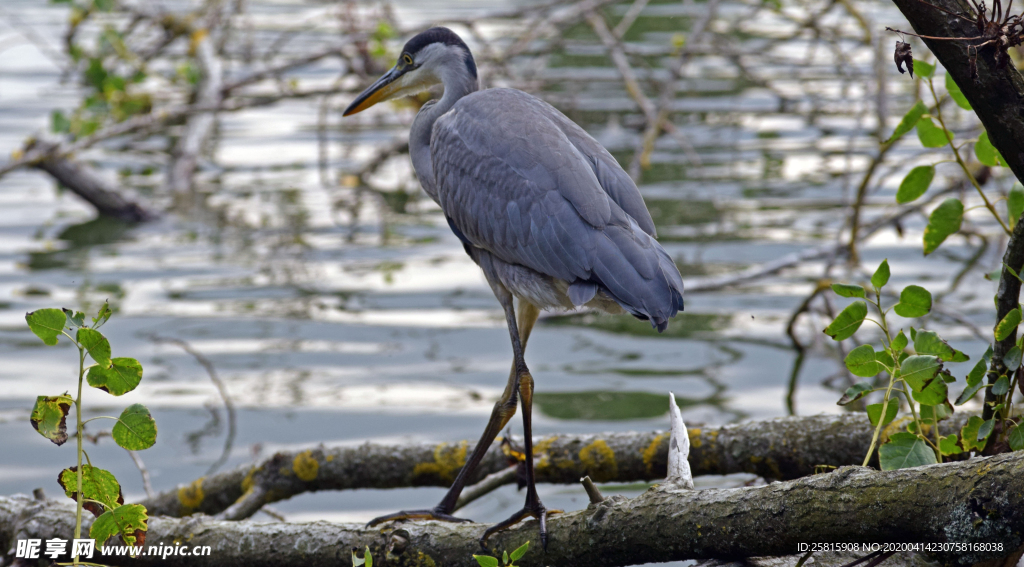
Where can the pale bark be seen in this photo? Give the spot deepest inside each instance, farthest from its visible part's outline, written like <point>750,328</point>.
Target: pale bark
<point>972,502</point>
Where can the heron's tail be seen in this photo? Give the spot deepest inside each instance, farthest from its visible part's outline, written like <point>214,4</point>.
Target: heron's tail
<point>638,274</point>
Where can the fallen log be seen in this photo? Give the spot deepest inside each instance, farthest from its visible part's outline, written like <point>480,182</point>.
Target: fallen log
<point>961,513</point>
<point>778,449</point>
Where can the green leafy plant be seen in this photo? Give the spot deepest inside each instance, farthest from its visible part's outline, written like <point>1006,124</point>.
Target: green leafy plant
<point>915,377</point>
<point>366,560</point>
<point>93,488</point>
<point>507,559</point>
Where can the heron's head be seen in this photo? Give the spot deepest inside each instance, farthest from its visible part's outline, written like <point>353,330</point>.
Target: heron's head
<point>434,56</point>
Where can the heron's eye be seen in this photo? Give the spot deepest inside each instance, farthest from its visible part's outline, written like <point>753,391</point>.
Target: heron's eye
<point>407,59</point>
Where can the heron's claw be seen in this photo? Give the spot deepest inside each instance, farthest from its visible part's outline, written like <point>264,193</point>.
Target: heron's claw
<point>532,509</point>
<point>434,514</point>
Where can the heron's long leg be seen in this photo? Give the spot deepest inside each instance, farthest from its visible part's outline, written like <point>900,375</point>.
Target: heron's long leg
<point>503,411</point>
<point>533,506</point>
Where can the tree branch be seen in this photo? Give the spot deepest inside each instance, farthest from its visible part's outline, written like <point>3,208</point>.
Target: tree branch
<point>971,502</point>
<point>780,449</point>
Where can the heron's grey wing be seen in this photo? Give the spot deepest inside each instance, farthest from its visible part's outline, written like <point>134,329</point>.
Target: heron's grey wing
<point>615,181</point>
<point>511,182</point>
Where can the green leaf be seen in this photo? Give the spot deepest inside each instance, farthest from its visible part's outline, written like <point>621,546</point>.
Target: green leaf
<point>96,344</point>
<point>915,301</point>
<point>1001,386</point>
<point>861,362</point>
<point>368,556</point>
<point>486,560</point>
<point>928,342</point>
<point>123,375</point>
<point>935,413</point>
<point>969,392</point>
<point>855,392</point>
<point>848,321</point>
<point>847,290</point>
<point>899,342</point>
<point>128,520</point>
<point>97,484</point>
<point>956,94</point>
<point>74,318</point>
<point>905,450</point>
<point>1012,359</point>
<point>932,136</point>
<point>1008,324</point>
<point>910,120</point>
<point>102,316</point>
<point>979,370</point>
<point>135,429</point>
<point>924,69</point>
<point>948,446</point>
<point>920,369</point>
<point>49,417</point>
<point>504,558</point>
<point>932,393</point>
<point>1015,203</point>
<point>944,221</point>
<point>1016,438</point>
<point>881,275</point>
<point>969,434</point>
<point>915,184</point>
<point>875,411</point>
<point>986,428</point>
<point>59,124</point>
<point>47,324</point>
<point>519,552</point>
<point>986,152</point>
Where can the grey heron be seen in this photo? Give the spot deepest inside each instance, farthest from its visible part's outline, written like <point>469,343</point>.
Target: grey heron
<point>544,210</point>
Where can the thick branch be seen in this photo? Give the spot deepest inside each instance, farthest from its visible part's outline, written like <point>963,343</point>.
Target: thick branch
<point>780,449</point>
<point>976,501</point>
<point>85,183</point>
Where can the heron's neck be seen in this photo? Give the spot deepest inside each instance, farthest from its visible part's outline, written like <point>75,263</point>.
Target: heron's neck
<point>456,85</point>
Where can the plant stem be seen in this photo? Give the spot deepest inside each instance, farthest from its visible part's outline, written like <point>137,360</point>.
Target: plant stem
<point>892,378</point>
<point>80,433</point>
<point>959,160</point>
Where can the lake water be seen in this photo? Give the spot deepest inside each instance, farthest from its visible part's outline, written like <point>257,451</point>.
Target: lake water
<point>341,315</point>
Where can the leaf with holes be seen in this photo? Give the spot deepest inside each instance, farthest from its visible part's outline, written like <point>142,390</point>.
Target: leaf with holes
<point>123,375</point>
<point>102,316</point>
<point>848,321</point>
<point>135,430</point>
<point>861,362</point>
<point>948,445</point>
<point>74,318</point>
<point>96,344</point>
<point>915,301</point>
<point>128,520</point>
<point>915,184</point>
<point>47,324</point>
<point>903,451</point>
<point>969,434</point>
<point>944,221</point>
<point>49,417</point>
<point>97,484</point>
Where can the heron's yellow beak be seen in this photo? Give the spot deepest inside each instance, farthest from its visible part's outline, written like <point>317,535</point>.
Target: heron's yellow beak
<point>384,89</point>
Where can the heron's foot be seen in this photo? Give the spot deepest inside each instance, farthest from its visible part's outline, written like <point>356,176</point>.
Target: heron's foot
<point>532,509</point>
<point>433,514</point>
